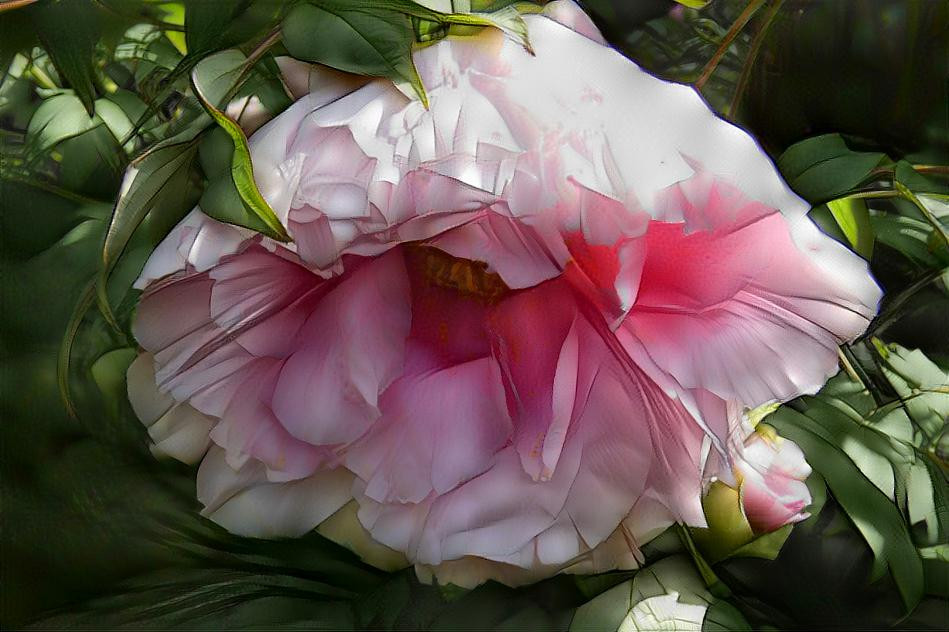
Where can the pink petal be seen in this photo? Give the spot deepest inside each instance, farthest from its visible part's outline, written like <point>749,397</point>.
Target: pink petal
<point>248,427</point>
<point>418,447</point>
<point>348,352</point>
<point>740,310</point>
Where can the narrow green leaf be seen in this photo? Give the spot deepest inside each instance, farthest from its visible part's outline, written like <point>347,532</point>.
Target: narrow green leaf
<point>69,32</point>
<point>207,80</point>
<point>144,181</point>
<point>875,516</point>
<point>64,358</point>
<point>693,4</point>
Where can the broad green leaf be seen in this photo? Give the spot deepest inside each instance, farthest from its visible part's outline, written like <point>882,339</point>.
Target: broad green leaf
<point>222,201</point>
<point>907,235</point>
<point>853,217</point>
<point>936,569</point>
<point>876,518</point>
<point>823,167</point>
<point>206,23</point>
<point>373,44</point>
<point>59,117</point>
<point>69,32</point>
<point>212,79</point>
<point>605,611</point>
<point>671,574</point>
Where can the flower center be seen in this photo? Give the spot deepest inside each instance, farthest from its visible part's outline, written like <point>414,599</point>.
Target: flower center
<point>465,276</point>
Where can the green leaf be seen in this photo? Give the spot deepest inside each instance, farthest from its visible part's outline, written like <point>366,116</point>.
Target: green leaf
<point>206,22</point>
<point>724,617</point>
<point>213,79</point>
<point>875,516</point>
<point>908,236</point>
<point>69,32</point>
<point>64,359</point>
<point>693,4</point>
<point>922,386</point>
<point>766,547</point>
<point>375,37</point>
<point>853,217</point>
<point>918,182</point>
<point>605,611</point>
<point>59,117</point>
<point>375,44</point>
<point>143,184</point>
<point>824,167</point>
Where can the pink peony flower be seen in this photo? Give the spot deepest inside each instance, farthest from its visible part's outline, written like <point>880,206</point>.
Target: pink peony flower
<point>772,471</point>
<point>513,331</point>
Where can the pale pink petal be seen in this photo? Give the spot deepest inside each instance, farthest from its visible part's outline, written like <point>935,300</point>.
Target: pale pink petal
<point>773,491</point>
<point>567,12</point>
<point>437,430</point>
<point>244,502</point>
<point>177,430</point>
<point>197,241</point>
<point>248,427</point>
<point>522,255</point>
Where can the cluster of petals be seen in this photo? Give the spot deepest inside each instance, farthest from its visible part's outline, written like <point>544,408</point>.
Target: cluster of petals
<point>514,332</point>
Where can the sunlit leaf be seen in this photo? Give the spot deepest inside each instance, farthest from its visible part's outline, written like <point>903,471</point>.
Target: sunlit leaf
<point>853,217</point>
<point>876,518</point>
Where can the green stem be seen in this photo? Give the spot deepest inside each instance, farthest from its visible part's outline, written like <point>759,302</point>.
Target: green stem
<point>743,18</point>
<point>41,78</point>
<point>871,195</point>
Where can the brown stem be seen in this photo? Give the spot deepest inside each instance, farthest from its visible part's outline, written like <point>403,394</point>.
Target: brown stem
<point>10,5</point>
<point>748,12</point>
<point>752,56</point>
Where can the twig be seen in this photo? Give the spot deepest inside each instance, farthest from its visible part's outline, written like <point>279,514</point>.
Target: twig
<point>748,12</point>
<point>752,55</point>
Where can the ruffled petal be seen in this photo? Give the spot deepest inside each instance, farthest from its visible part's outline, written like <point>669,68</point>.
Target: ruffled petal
<point>177,430</point>
<point>741,310</point>
<point>349,351</point>
<point>437,430</point>
<point>244,502</point>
